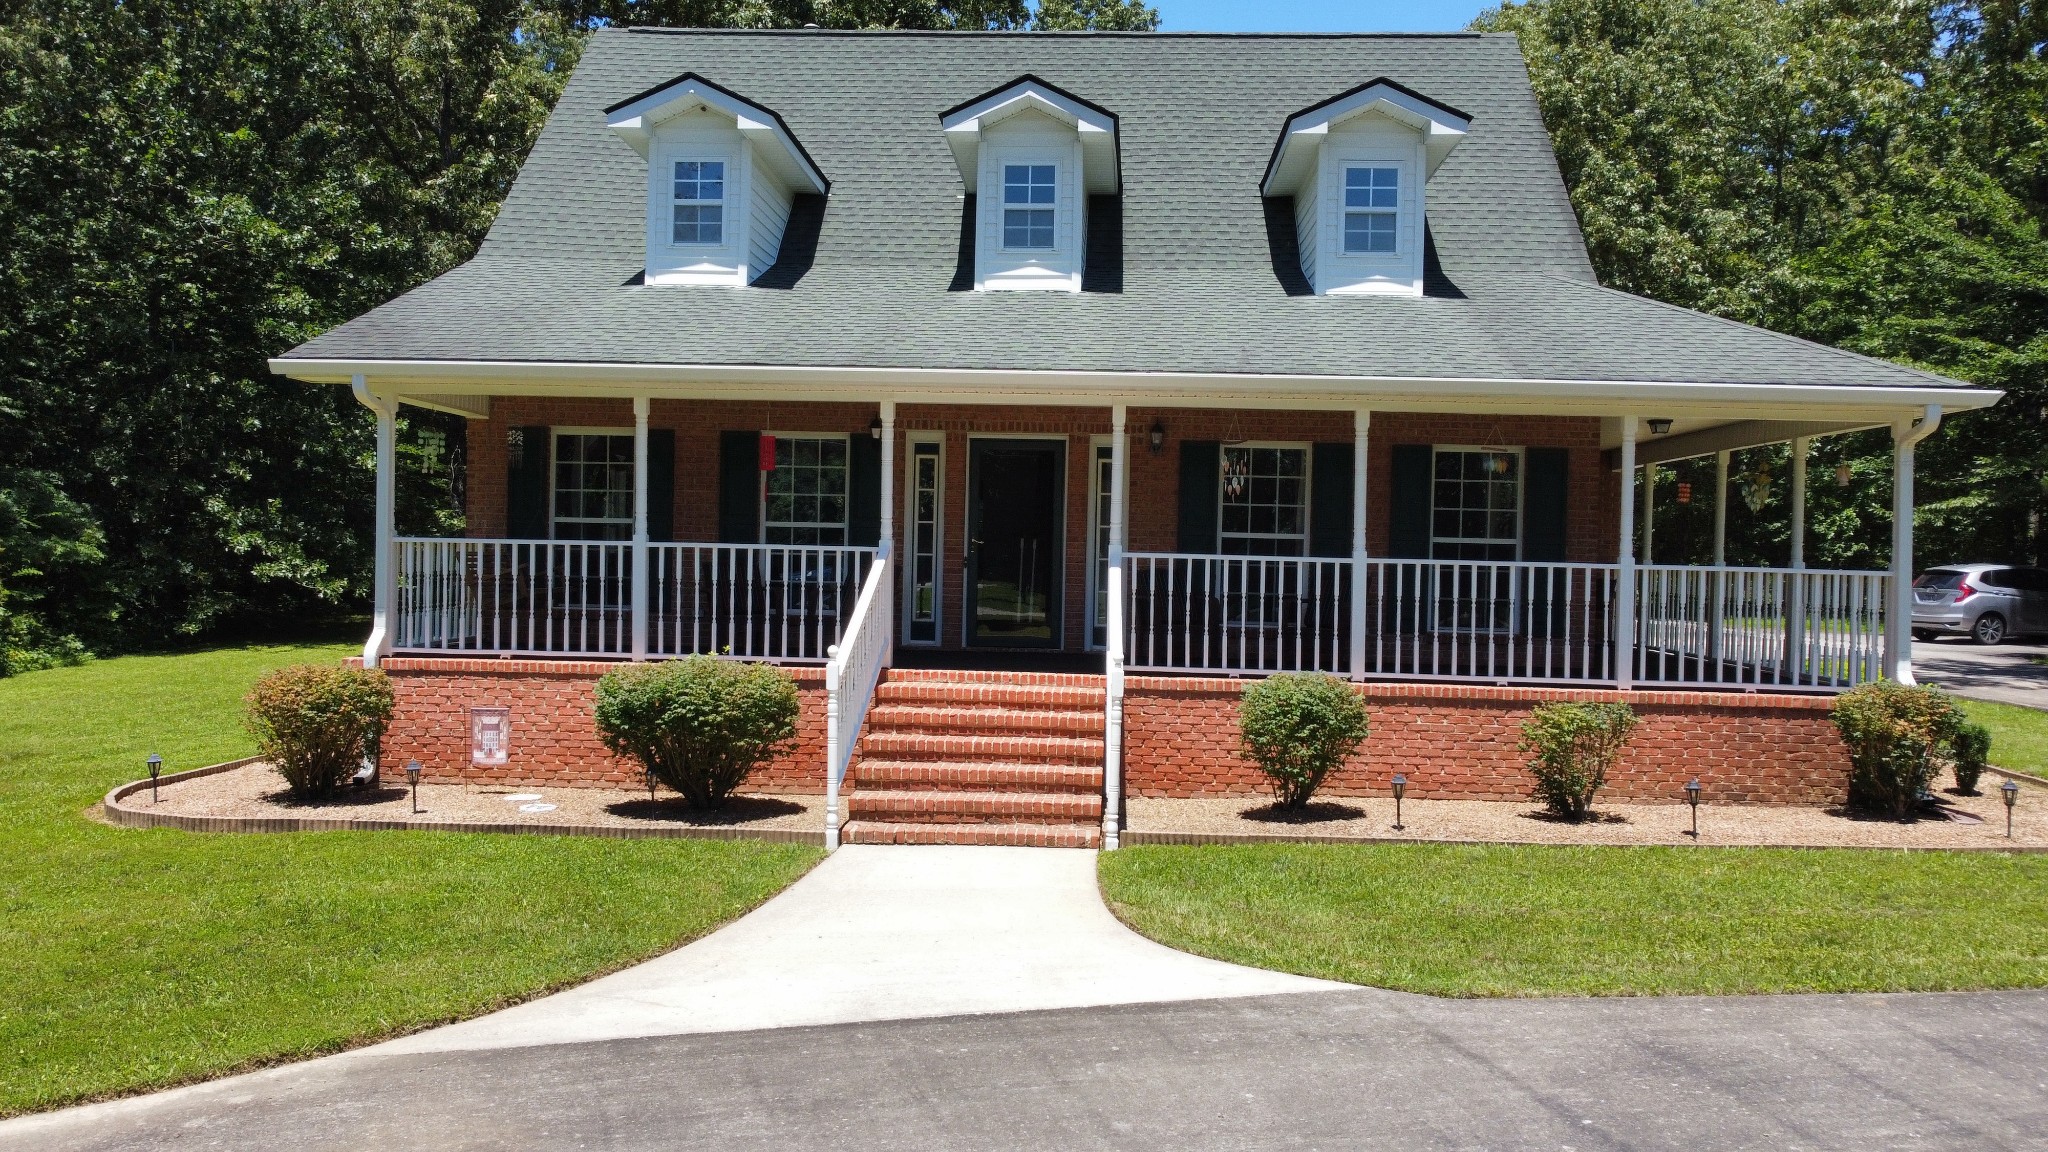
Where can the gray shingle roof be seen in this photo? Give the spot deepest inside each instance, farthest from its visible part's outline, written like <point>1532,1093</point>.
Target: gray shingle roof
<point>1198,119</point>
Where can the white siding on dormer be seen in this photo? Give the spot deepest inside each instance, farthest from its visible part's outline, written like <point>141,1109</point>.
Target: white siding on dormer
<point>1029,138</point>
<point>1368,140</point>
<point>769,218</point>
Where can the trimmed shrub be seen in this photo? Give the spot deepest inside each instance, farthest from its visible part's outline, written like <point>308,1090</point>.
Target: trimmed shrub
<point>1576,745</point>
<point>316,723</point>
<point>1298,728</point>
<point>1898,738</point>
<point>701,725</point>
<point>1969,751</point>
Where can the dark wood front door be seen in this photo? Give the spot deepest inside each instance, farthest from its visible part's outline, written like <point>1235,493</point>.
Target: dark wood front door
<point>1014,490</point>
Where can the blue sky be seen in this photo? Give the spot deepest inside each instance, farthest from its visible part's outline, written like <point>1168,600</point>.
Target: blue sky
<point>1316,15</point>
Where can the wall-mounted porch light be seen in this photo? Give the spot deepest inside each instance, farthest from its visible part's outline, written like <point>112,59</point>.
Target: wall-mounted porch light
<point>1660,427</point>
<point>875,428</point>
<point>1157,437</point>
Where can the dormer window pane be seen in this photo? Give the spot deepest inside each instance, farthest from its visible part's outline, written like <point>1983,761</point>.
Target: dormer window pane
<point>1027,184</point>
<point>699,202</point>
<point>1372,199</point>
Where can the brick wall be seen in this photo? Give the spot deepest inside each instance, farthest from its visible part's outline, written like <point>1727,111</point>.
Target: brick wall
<point>1154,479</point>
<point>554,730</point>
<point>1458,742</point>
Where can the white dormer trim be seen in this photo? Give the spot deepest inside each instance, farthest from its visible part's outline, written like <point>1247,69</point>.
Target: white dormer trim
<point>1096,128</point>
<point>636,118</point>
<point>1380,129</point>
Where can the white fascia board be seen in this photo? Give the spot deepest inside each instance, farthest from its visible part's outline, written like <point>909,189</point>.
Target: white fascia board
<point>1304,133</point>
<point>1166,389</point>
<point>774,146</point>
<point>962,128</point>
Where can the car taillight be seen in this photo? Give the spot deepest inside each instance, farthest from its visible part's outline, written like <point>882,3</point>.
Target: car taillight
<point>1964,591</point>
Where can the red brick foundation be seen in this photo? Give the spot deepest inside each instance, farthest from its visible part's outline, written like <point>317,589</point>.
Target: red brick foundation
<point>1457,742</point>
<point>554,728</point>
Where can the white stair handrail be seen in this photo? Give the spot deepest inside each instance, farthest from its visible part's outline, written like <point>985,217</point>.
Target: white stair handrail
<point>852,669</point>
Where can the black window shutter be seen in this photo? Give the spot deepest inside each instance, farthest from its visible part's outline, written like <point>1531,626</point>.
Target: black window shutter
<point>1329,501</point>
<point>526,483</point>
<point>863,491</point>
<point>1409,494</point>
<point>1201,477</point>
<point>1545,503</point>
<point>739,487</point>
<point>661,484</point>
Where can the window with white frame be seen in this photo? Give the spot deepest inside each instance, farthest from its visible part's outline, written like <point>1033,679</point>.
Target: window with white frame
<point>804,499</point>
<point>1029,191</point>
<point>1372,205</point>
<point>698,194</point>
<point>593,498</point>
<point>1263,491</point>
<point>923,519</point>
<point>1476,504</point>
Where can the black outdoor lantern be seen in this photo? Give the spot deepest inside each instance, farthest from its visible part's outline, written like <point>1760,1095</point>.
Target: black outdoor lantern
<point>156,768</point>
<point>1157,437</point>
<point>1659,427</point>
<point>2011,792</point>
<point>1692,797</point>
<point>875,428</point>
<point>1400,789</point>
<point>412,777</point>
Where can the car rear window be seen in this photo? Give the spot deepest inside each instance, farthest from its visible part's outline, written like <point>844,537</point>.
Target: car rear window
<point>1941,579</point>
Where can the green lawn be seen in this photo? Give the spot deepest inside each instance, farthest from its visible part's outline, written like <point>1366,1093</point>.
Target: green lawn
<point>143,958</point>
<point>2019,736</point>
<point>1451,920</point>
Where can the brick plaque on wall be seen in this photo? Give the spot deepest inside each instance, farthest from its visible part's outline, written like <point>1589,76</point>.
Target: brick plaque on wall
<point>490,736</point>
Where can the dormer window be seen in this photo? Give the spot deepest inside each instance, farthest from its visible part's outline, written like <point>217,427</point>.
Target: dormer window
<point>699,202</point>
<point>1356,166</point>
<point>1030,155</point>
<point>1372,201</point>
<point>722,176</point>
<point>1028,197</point>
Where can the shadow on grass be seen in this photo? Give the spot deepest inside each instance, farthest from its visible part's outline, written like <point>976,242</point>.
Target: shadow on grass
<point>1317,812</point>
<point>676,810</point>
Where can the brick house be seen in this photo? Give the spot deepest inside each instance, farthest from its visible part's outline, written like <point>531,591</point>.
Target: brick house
<point>1025,393</point>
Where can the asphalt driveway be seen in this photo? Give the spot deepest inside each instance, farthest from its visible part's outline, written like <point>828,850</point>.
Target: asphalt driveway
<point>2008,673</point>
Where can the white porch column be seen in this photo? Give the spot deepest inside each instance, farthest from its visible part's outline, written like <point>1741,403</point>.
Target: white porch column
<point>1795,613</point>
<point>1113,638</point>
<point>1898,617</point>
<point>384,587</point>
<point>888,541</point>
<point>641,406</point>
<point>1649,513</point>
<point>1361,426</point>
<point>1720,509</point>
<point>1625,596</point>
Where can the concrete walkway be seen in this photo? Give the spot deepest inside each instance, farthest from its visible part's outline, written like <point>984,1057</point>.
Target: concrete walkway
<point>2006,673</point>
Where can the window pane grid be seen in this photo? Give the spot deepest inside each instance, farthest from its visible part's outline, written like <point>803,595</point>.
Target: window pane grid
<point>1028,184</point>
<point>593,486</point>
<point>804,501</point>
<point>924,540</point>
<point>699,195</point>
<point>1372,199</point>
<point>1264,501</point>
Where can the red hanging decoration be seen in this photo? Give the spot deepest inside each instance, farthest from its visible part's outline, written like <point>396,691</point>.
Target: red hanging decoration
<point>767,453</point>
<point>1684,492</point>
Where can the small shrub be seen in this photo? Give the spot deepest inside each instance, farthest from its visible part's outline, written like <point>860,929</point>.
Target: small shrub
<point>701,725</point>
<point>1969,752</point>
<point>1898,738</point>
<point>1298,728</point>
<point>1576,745</point>
<point>316,722</point>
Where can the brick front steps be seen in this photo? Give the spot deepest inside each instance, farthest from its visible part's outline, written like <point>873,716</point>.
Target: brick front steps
<point>953,757</point>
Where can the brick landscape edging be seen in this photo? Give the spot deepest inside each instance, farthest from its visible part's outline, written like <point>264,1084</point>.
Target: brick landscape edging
<point>126,817</point>
<point>1191,838</point>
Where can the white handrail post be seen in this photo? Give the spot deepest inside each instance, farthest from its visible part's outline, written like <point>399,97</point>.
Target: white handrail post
<point>1625,595</point>
<point>834,675</point>
<point>641,407</point>
<point>1795,613</point>
<point>1361,426</point>
<point>887,542</point>
<point>384,587</point>
<point>1113,640</point>
<point>1898,622</point>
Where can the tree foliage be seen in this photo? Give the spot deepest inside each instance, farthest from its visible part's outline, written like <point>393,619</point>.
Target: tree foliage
<point>1871,174</point>
<point>188,187</point>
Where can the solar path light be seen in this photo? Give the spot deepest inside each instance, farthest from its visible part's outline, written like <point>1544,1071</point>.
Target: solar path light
<point>412,777</point>
<point>1692,797</point>
<point>156,768</point>
<point>2011,792</point>
<point>1400,788</point>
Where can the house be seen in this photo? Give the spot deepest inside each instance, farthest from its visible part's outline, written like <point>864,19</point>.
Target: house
<point>1024,393</point>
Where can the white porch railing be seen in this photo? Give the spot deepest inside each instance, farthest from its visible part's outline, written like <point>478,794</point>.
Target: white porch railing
<point>1760,627</point>
<point>783,603</point>
<point>854,668</point>
<point>1236,614</point>
<point>1505,622</point>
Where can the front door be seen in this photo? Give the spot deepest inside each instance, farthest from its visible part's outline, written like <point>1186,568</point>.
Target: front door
<point>1014,490</point>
